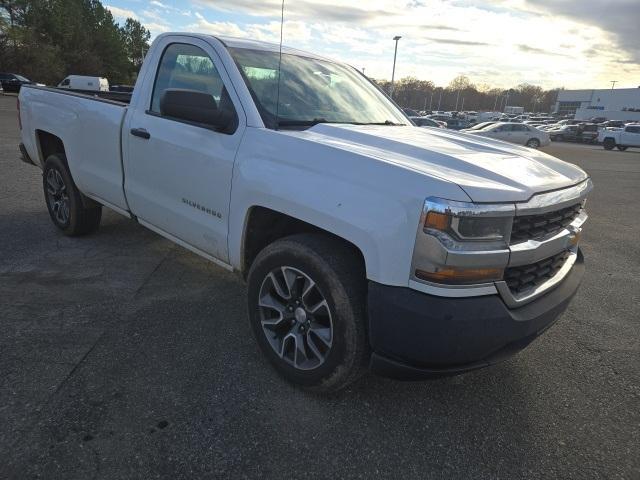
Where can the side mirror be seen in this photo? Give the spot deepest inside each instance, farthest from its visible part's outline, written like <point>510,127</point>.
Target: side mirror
<point>195,107</point>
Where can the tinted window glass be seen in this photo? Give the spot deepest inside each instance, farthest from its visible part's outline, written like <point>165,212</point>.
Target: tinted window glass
<point>65,82</point>
<point>633,129</point>
<point>189,67</point>
<point>519,128</point>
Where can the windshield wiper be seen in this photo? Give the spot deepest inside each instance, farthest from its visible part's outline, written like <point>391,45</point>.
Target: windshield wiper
<point>386,122</point>
<point>316,121</point>
<point>302,123</point>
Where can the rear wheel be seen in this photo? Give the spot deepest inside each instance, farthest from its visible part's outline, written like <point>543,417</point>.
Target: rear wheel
<point>621,148</point>
<point>306,300</point>
<point>609,143</point>
<point>533,143</point>
<point>64,200</point>
<point>559,138</point>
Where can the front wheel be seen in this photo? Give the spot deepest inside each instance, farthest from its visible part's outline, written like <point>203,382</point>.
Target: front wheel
<point>64,200</point>
<point>609,143</point>
<point>533,143</point>
<point>306,296</point>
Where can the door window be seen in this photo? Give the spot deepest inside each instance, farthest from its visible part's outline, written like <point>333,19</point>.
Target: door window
<point>189,67</point>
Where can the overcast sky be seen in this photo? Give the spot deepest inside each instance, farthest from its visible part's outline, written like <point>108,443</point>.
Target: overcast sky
<point>551,43</point>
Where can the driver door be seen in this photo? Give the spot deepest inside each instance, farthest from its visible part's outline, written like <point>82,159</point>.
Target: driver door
<point>178,173</point>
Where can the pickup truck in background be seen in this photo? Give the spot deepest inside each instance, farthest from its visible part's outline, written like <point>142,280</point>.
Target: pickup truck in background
<point>364,239</point>
<point>622,138</point>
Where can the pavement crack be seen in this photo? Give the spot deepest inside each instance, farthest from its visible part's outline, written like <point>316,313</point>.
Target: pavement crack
<point>153,272</point>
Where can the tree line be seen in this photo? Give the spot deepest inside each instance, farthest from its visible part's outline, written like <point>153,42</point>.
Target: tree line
<point>46,40</point>
<point>462,94</point>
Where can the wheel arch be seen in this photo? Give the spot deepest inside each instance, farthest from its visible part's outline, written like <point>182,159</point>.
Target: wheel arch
<point>49,144</point>
<point>264,226</point>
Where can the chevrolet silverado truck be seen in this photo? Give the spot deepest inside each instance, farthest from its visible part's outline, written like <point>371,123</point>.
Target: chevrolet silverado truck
<point>620,138</point>
<point>365,241</point>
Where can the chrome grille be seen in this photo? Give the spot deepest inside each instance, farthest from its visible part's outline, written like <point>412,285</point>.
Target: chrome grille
<point>534,227</point>
<point>524,277</point>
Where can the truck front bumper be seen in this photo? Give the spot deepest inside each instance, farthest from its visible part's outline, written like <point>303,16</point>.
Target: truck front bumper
<point>414,335</point>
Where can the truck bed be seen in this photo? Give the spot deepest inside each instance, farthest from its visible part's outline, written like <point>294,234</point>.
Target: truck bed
<point>122,98</point>
<point>89,125</point>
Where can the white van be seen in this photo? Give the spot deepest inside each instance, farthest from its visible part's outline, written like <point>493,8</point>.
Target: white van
<point>80,82</point>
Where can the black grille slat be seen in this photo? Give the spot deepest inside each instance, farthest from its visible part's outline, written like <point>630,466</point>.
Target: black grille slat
<point>524,277</point>
<point>535,227</point>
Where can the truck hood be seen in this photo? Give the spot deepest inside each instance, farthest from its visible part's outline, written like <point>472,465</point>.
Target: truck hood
<point>487,170</point>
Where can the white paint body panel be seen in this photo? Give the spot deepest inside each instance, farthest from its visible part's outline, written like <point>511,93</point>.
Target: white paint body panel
<point>366,184</point>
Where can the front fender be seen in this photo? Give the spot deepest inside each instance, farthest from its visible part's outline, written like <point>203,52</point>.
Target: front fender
<point>373,204</point>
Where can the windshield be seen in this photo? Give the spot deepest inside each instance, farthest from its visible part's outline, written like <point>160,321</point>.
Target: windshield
<point>312,91</point>
<point>21,78</point>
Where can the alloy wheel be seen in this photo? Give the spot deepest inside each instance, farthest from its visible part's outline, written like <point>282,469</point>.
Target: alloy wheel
<point>57,196</point>
<point>295,318</point>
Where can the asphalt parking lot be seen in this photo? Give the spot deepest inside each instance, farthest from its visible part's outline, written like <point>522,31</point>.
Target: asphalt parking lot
<point>125,356</point>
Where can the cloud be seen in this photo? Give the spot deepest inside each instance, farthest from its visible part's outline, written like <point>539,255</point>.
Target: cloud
<point>121,13</point>
<point>536,41</point>
<point>453,41</point>
<point>541,51</point>
<point>619,18</point>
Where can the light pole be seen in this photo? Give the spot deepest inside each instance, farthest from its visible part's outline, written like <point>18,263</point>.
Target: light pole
<point>440,99</point>
<point>431,100</point>
<point>393,73</point>
<point>457,98</point>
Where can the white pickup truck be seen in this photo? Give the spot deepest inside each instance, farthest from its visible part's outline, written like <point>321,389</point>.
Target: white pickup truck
<point>620,138</point>
<point>364,239</point>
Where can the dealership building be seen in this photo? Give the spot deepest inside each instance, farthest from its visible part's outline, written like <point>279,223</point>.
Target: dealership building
<point>613,104</point>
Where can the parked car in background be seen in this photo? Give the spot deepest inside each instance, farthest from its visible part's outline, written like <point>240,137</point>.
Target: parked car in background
<point>83,82</point>
<point>515,133</point>
<point>614,124</point>
<point>12,82</point>
<point>456,123</point>
<point>478,126</point>
<point>427,122</point>
<point>588,133</point>
<point>1,89</point>
<point>621,139</point>
<point>564,133</point>
<point>440,117</point>
<point>410,112</point>
<point>598,119</point>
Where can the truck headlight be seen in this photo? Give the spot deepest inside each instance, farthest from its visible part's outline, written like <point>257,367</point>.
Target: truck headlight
<point>460,243</point>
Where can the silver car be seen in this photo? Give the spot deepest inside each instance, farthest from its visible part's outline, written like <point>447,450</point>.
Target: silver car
<point>515,133</point>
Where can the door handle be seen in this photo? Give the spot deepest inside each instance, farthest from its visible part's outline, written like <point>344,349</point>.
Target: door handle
<point>140,132</point>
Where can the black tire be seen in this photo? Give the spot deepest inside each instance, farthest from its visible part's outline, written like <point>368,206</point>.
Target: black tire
<point>64,200</point>
<point>621,148</point>
<point>559,138</point>
<point>340,279</point>
<point>609,143</point>
<point>533,143</point>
